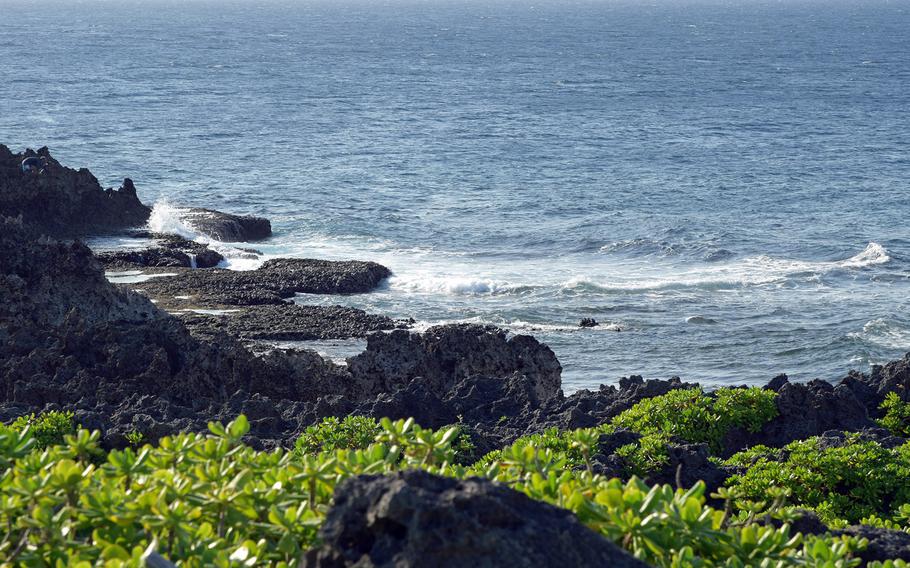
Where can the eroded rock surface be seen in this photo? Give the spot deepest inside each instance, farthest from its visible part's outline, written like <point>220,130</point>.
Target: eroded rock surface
<point>226,227</point>
<point>274,282</point>
<point>414,519</point>
<point>169,251</point>
<point>63,201</point>
<point>289,322</point>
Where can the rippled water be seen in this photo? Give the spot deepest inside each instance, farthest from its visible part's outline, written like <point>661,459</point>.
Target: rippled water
<point>724,186</point>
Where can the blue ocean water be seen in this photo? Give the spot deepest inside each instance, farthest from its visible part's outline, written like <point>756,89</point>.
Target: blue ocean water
<point>722,185</point>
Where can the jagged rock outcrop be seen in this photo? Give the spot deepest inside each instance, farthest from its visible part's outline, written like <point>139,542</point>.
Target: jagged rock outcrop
<point>226,227</point>
<point>413,519</point>
<point>63,201</point>
<point>443,355</point>
<point>804,410</point>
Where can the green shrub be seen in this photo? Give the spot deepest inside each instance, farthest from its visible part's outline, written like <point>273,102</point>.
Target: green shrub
<point>358,432</point>
<point>47,428</point>
<point>212,501</point>
<point>897,415</point>
<point>646,456</point>
<point>135,438</point>
<point>354,432</point>
<point>695,417</point>
<point>843,484</point>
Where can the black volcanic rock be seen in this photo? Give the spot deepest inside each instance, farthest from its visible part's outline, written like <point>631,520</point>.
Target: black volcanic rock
<point>289,322</point>
<point>62,201</point>
<point>445,354</point>
<point>884,544</point>
<point>272,283</point>
<point>804,410</point>
<point>168,251</point>
<point>414,519</point>
<point>226,227</point>
<point>69,339</point>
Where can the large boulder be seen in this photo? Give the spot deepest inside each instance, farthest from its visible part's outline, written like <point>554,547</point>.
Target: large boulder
<point>226,227</point>
<point>444,355</point>
<point>413,519</point>
<point>65,202</point>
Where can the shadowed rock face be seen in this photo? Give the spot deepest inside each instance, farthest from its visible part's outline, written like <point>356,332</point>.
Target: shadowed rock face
<point>226,227</point>
<point>415,519</point>
<point>62,201</point>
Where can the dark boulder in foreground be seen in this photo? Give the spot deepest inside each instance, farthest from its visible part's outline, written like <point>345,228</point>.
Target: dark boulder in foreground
<point>272,283</point>
<point>884,544</point>
<point>64,202</point>
<point>226,227</point>
<point>414,519</point>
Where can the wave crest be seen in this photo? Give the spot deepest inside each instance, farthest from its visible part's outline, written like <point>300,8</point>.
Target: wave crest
<point>165,218</point>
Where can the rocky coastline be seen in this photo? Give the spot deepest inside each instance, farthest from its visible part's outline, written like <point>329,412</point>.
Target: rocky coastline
<point>124,360</point>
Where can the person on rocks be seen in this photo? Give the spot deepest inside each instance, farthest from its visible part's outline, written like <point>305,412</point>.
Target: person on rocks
<point>33,165</point>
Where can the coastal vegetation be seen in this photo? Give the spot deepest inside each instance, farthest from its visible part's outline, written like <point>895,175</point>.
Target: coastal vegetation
<point>211,500</point>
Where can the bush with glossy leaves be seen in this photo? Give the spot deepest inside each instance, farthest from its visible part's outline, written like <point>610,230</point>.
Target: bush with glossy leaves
<point>209,500</point>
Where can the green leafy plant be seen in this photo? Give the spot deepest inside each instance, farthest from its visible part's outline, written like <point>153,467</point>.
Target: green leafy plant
<point>335,434</point>
<point>842,483</point>
<point>897,415</point>
<point>47,428</point>
<point>209,500</point>
<point>135,438</point>
<point>649,454</point>
<point>693,416</point>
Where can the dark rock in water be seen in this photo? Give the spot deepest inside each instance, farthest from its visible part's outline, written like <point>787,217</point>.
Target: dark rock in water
<point>62,201</point>
<point>272,283</point>
<point>226,227</point>
<point>169,251</point>
<point>289,322</point>
<point>207,258</point>
<point>884,544</point>
<point>414,519</point>
<point>588,322</point>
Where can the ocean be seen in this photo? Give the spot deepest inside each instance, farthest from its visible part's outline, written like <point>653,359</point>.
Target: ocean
<point>723,186</point>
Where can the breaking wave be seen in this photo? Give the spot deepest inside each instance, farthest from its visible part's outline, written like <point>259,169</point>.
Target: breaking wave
<point>165,218</point>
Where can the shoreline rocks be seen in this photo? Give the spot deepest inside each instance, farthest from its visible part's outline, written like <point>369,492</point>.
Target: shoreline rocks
<point>226,227</point>
<point>169,251</point>
<point>274,282</point>
<point>62,202</point>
